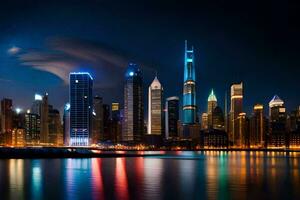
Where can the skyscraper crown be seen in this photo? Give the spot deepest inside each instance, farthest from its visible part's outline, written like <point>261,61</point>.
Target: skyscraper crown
<point>276,101</point>
<point>212,96</point>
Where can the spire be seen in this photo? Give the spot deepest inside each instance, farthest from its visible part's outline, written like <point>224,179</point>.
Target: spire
<point>212,96</point>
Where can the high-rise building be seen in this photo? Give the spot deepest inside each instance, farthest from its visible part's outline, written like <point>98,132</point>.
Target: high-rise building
<point>189,87</point>
<point>32,128</point>
<point>211,105</point>
<point>6,115</point>
<point>66,122</point>
<point>257,126</point>
<point>236,107</point>
<point>133,125</point>
<point>106,122</point>
<point>116,127</point>
<point>218,118</point>
<point>172,117</point>
<point>155,108</point>
<point>204,121</point>
<point>40,107</point>
<point>97,133</point>
<point>55,128</point>
<point>242,137</point>
<point>81,102</point>
<point>277,120</point>
<point>18,137</point>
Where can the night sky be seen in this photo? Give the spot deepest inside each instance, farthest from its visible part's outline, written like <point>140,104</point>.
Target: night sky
<point>257,43</point>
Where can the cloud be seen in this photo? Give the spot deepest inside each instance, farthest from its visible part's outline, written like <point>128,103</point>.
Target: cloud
<point>64,55</point>
<point>13,50</point>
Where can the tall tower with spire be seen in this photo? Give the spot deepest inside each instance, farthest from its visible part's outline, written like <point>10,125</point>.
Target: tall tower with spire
<point>189,87</point>
<point>155,109</point>
<point>211,105</point>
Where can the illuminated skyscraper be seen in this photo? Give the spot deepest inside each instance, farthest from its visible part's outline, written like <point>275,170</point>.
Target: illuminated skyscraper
<point>236,107</point>
<point>241,137</point>
<point>204,121</point>
<point>211,105</point>
<point>32,128</point>
<point>97,133</point>
<point>116,128</point>
<point>155,109</point>
<point>133,124</point>
<point>40,107</point>
<point>172,117</point>
<point>106,122</point>
<point>66,121</point>
<point>277,120</point>
<point>189,87</point>
<point>81,102</point>
<point>257,126</point>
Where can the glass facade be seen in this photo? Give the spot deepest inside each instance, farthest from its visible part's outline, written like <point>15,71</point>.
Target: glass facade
<point>189,87</point>
<point>133,124</point>
<point>81,107</point>
<point>172,117</point>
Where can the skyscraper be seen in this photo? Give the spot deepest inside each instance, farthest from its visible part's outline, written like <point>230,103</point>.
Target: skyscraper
<point>66,122</point>
<point>277,120</point>
<point>218,118</point>
<point>6,120</point>
<point>257,126</point>
<point>189,87</point>
<point>106,122</point>
<point>40,107</point>
<point>97,133</point>
<point>32,128</point>
<point>55,128</point>
<point>236,107</point>
<point>172,117</point>
<point>116,128</point>
<point>211,105</point>
<point>155,108</point>
<point>81,102</point>
<point>204,121</point>
<point>133,125</point>
<point>6,115</point>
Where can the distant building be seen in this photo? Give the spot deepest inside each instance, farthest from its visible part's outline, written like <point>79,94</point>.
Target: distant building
<point>32,128</point>
<point>66,124</point>
<point>242,139</point>
<point>277,120</point>
<point>41,108</point>
<point>155,108</point>
<point>218,118</point>
<point>133,125</point>
<point>18,137</point>
<point>106,123</point>
<point>6,121</point>
<point>81,101</point>
<point>172,117</point>
<point>204,121</point>
<point>116,123</point>
<point>211,105</point>
<point>257,127</point>
<point>189,88</point>
<point>55,128</point>
<point>236,107</point>
<point>97,132</point>
<point>213,138</point>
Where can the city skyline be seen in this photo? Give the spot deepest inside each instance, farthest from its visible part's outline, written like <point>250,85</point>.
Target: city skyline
<point>262,58</point>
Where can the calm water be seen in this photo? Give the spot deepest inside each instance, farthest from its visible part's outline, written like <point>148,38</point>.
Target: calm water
<point>177,175</point>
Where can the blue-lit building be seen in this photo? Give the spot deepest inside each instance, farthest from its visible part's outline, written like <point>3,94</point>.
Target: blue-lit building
<point>81,108</point>
<point>189,87</point>
<point>133,124</point>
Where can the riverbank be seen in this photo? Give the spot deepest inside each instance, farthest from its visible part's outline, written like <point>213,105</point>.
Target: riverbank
<point>67,152</point>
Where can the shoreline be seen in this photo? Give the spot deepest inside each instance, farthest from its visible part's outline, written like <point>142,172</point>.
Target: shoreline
<point>71,152</point>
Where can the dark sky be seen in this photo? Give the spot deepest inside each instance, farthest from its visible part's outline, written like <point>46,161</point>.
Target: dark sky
<point>254,42</point>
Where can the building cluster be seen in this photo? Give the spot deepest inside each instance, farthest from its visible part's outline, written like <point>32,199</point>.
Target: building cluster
<point>39,125</point>
<point>88,121</point>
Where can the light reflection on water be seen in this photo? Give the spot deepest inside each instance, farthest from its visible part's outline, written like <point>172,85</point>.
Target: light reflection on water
<point>174,175</point>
